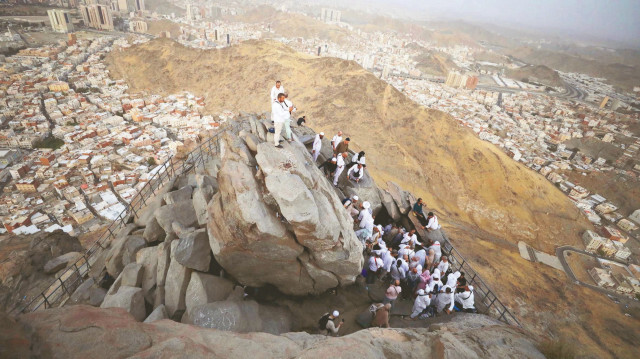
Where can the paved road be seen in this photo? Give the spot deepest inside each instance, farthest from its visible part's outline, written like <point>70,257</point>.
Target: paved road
<point>560,252</point>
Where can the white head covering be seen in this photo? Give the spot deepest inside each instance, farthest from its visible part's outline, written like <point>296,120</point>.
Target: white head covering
<point>355,198</point>
<point>470,288</point>
<point>366,205</point>
<point>436,273</point>
<point>321,133</point>
<point>336,313</point>
<point>421,292</point>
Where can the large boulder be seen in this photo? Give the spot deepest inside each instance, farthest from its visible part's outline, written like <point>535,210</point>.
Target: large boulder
<point>400,197</point>
<point>123,252</point>
<point>206,288</point>
<point>157,314</point>
<point>390,205</point>
<point>148,259</point>
<point>183,194</point>
<point>193,250</point>
<point>87,332</point>
<point>366,190</point>
<point>130,299</point>
<point>61,262</point>
<point>88,293</point>
<point>283,226</point>
<point>153,232</point>
<point>175,286</point>
<point>242,317</point>
<point>181,212</point>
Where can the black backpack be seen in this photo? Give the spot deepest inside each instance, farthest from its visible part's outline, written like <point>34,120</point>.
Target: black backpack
<point>322,323</point>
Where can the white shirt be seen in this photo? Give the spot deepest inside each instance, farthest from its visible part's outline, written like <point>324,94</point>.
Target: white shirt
<point>433,223</point>
<point>422,255</point>
<point>375,263</point>
<point>432,284</point>
<point>289,104</point>
<point>335,141</point>
<point>275,92</point>
<point>421,302</point>
<point>466,299</point>
<point>445,300</point>
<point>317,143</point>
<point>387,260</point>
<point>405,250</point>
<point>340,161</point>
<point>357,173</point>
<point>357,159</point>
<point>443,266</point>
<point>279,112</point>
<point>408,239</point>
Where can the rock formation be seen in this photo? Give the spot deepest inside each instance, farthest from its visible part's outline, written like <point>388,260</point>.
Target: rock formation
<point>277,220</point>
<point>87,332</point>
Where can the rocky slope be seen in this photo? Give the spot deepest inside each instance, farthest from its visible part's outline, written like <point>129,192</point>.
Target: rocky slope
<point>87,332</point>
<point>486,201</point>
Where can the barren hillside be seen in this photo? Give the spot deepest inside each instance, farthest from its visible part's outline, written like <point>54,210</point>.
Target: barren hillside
<point>487,201</point>
<point>435,63</point>
<point>536,73</point>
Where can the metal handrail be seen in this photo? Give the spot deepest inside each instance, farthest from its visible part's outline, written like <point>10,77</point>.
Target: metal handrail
<point>486,296</point>
<point>75,274</point>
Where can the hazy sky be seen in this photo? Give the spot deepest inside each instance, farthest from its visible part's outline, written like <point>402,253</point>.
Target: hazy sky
<point>605,19</point>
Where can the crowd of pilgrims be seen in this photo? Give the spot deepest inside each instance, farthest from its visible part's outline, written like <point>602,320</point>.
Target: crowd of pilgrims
<point>413,270</point>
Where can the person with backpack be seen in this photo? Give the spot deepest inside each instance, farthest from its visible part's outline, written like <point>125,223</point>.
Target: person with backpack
<point>392,293</point>
<point>327,323</point>
<point>465,301</point>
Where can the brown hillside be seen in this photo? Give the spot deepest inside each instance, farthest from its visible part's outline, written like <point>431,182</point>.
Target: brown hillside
<point>434,63</point>
<point>536,73</point>
<point>487,201</point>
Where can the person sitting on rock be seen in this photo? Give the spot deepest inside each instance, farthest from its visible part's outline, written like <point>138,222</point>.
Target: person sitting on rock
<point>381,319</point>
<point>445,300</point>
<point>418,211</point>
<point>356,172</point>
<point>332,328</point>
<point>432,222</point>
<point>317,146</point>
<point>358,158</point>
<point>335,141</point>
<point>421,305</point>
<point>343,147</point>
<point>302,121</point>
<point>465,300</point>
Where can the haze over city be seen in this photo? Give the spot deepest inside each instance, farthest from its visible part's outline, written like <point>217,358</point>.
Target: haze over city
<point>318,178</point>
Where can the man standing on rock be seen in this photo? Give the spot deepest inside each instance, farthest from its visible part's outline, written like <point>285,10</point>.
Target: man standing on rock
<point>335,141</point>
<point>276,90</point>
<point>317,146</point>
<point>279,114</point>
<point>287,123</point>
<point>339,167</point>
<point>343,147</point>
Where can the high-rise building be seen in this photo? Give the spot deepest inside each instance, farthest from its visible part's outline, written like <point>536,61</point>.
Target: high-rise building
<point>60,20</point>
<point>138,26</point>
<point>97,16</point>
<point>330,15</point>
<point>472,82</point>
<point>139,5</point>
<point>458,80</point>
